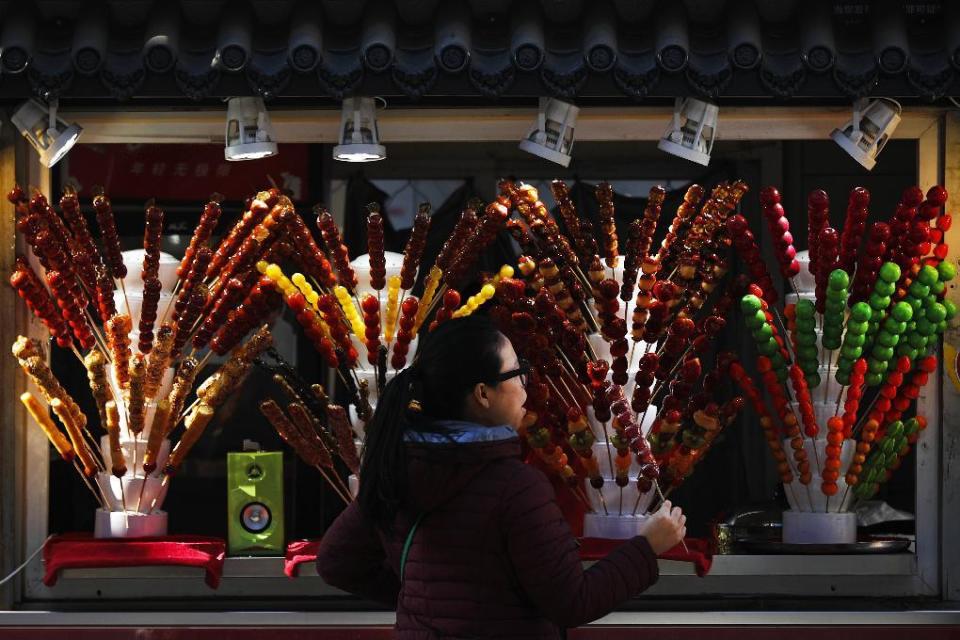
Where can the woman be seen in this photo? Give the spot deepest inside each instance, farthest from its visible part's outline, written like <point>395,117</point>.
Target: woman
<point>452,528</point>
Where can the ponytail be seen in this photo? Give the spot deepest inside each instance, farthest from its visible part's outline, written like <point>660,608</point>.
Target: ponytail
<point>383,467</point>
<point>450,361</point>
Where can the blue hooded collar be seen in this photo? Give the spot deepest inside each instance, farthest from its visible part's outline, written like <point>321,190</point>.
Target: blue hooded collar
<point>460,432</point>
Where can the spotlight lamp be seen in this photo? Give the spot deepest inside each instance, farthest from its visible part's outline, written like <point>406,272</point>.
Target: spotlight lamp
<point>51,136</point>
<point>692,130</point>
<point>551,136</point>
<point>865,136</point>
<point>249,133</point>
<point>359,139</point>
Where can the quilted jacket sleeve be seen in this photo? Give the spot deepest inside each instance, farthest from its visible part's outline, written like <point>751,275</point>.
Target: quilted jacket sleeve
<point>351,557</point>
<point>544,554</point>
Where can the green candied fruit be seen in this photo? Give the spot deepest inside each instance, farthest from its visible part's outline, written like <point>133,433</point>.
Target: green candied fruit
<point>838,279</point>
<point>842,377</point>
<point>755,321</point>
<point>850,353</point>
<point>889,272</point>
<point>768,348</point>
<point>946,271</point>
<point>938,288</point>
<point>835,305</point>
<point>885,339</point>
<point>907,350</point>
<point>831,342</point>
<point>806,339</point>
<point>951,309</point>
<point>809,366</point>
<point>808,352</point>
<point>832,333</point>
<point>806,308</point>
<point>919,290</point>
<point>916,340</point>
<point>885,288</point>
<point>902,312</point>
<point>763,333</point>
<point>861,312</point>
<point>878,302</point>
<point>887,445</point>
<point>936,312</point>
<point>806,324</point>
<point>856,339</point>
<point>892,326</point>
<point>942,326</point>
<point>928,275</point>
<point>813,379</point>
<point>895,429</point>
<point>916,304</point>
<point>882,353</point>
<point>878,367</point>
<point>845,365</point>
<point>911,426</point>
<point>781,374</point>
<point>925,327</point>
<point>750,304</point>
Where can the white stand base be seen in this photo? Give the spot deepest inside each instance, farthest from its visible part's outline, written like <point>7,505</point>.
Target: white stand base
<point>117,490</point>
<point>117,524</point>
<point>819,528</point>
<point>353,484</point>
<point>612,527</point>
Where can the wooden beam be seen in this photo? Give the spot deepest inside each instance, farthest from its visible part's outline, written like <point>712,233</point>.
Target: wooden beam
<point>477,125</point>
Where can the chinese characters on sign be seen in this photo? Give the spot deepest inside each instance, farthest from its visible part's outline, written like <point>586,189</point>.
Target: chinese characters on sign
<point>184,172</point>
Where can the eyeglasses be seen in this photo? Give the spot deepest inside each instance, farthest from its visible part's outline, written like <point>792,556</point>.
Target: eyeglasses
<point>523,371</point>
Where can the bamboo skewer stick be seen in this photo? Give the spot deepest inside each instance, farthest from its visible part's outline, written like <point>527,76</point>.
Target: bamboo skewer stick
<point>96,493</point>
<point>336,488</point>
<point>126,302</point>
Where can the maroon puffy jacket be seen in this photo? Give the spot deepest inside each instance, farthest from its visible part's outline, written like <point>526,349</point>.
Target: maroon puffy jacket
<point>492,557</point>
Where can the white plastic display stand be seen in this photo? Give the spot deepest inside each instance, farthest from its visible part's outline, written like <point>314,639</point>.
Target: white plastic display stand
<point>118,524</point>
<point>613,526</point>
<point>133,489</point>
<point>353,484</point>
<point>819,528</point>
<point>613,516</point>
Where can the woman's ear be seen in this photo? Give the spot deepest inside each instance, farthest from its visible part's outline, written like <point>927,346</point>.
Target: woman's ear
<point>480,395</point>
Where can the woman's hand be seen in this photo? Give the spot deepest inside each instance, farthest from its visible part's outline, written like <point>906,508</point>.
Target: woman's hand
<point>665,528</point>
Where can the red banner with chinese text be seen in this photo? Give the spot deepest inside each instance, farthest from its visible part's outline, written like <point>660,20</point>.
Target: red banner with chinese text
<point>184,172</point>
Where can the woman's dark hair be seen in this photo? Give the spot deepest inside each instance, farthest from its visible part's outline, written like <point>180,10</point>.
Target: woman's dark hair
<point>450,361</point>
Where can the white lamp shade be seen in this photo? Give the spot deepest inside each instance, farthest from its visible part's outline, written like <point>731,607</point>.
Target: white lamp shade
<point>51,136</point>
<point>865,136</point>
<point>692,130</point>
<point>359,135</point>
<point>249,135</point>
<point>551,136</point>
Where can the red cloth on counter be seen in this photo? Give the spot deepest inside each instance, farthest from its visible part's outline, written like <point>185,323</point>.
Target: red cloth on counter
<point>298,552</point>
<point>590,549</point>
<point>83,551</point>
<point>700,554</point>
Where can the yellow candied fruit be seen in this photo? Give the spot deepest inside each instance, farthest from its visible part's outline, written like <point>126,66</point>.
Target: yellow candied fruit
<point>274,272</point>
<point>506,271</point>
<point>299,280</point>
<point>262,266</point>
